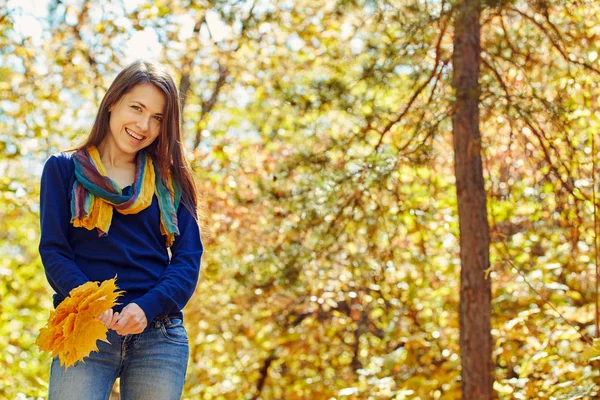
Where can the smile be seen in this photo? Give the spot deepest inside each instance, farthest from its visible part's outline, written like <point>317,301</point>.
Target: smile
<point>134,135</point>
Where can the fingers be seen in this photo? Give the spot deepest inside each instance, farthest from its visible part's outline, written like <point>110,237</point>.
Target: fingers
<point>121,323</point>
<point>113,321</point>
<point>128,327</point>
<point>109,318</point>
<point>127,324</point>
<point>131,320</point>
<point>106,317</point>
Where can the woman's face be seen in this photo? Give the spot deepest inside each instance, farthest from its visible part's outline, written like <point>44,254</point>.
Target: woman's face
<point>135,119</point>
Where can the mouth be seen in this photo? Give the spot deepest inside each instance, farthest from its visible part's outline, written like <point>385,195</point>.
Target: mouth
<point>135,136</point>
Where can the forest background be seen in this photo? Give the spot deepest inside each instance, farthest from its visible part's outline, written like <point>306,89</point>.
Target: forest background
<point>320,132</point>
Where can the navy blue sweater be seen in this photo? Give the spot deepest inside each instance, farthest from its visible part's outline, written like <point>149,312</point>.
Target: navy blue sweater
<point>134,249</point>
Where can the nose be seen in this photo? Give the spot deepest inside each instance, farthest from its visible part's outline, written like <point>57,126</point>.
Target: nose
<point>143,123</point>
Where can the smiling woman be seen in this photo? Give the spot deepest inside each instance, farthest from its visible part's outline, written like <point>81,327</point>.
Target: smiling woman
<point>133,126</point>
<point>132,163</point>
<point>130,115</point>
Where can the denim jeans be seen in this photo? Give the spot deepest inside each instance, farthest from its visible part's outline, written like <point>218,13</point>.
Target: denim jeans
<point>151,365</point>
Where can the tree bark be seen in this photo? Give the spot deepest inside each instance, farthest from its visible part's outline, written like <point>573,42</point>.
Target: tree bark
<point>475,288</point>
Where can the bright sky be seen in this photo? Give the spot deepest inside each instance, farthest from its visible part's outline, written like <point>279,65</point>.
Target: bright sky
<point>31,18</point>
<point>26,21</point>
<point>31,15</point>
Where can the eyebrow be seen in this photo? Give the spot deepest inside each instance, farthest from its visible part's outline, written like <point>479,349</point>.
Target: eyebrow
<point>144,106</point>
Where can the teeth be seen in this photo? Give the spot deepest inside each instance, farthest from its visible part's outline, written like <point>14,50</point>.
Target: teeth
<point>137,137</point>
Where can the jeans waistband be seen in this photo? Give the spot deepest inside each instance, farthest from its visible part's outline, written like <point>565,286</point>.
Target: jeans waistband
<point>164,320</point>
<point>168,316</point>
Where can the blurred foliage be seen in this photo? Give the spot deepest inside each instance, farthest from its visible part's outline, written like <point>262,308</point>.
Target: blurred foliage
<point>320,134</point>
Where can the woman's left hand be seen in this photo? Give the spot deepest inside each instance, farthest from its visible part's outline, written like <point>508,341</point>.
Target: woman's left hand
<point>132,320</point>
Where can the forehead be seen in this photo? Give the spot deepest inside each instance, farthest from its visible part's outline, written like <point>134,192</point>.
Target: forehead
<point>148,95</point>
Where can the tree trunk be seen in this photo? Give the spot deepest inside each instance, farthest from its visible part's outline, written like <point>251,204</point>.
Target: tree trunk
<point>475,289</point>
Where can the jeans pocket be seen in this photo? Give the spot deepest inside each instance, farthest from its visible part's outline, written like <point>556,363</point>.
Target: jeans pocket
<point>174,331</point>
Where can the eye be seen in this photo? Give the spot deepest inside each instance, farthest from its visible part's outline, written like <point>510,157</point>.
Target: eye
<point>137,108</point>
<point>158,118</point>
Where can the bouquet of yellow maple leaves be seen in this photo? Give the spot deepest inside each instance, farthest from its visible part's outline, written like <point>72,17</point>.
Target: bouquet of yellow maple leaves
<point>73,329</point>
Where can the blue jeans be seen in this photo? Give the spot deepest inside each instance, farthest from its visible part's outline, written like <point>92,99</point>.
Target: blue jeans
<point>151,365</point>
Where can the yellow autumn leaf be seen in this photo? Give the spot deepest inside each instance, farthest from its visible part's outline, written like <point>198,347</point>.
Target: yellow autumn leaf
<point>592,353</point>
<point>72,329</point>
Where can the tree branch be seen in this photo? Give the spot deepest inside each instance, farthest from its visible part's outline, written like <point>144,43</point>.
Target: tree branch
<point>554,42</point>
<point>186,67</point>
<point>416,94</point>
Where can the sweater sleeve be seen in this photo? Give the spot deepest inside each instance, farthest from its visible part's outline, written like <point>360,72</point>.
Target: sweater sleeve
<point>62,272</point>
<point>178,281</point>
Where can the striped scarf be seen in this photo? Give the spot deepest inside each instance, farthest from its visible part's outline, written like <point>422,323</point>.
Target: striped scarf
<point>95,195</point>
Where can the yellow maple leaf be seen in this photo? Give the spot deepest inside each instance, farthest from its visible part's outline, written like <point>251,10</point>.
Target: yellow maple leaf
<point>592,352</point>
<point>72,329</point>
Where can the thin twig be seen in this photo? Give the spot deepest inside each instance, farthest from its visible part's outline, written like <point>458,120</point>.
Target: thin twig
<point>595,228</point>
<point>545,300</point>
<point>417,92</point>
<point>555,43</point>
<point>506,258</point>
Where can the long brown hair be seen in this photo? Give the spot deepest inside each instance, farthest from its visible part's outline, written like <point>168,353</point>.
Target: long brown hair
<point>167,150</point>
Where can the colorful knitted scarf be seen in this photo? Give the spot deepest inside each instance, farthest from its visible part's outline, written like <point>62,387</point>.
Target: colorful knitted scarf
<point>95,195</point>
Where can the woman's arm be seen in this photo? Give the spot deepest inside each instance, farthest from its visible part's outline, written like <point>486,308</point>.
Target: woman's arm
<point>55,216</point>
<point>178,281</point>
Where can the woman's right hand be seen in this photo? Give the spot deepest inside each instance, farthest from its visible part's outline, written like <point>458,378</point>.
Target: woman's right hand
<point>108,318</point>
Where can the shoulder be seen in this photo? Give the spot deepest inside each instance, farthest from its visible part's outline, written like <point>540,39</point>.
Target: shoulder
<point>62,160</point>
<point>60,164</point>
<point>62,157</point>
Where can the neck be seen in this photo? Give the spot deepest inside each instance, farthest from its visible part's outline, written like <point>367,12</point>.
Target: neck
<point>111,156</point>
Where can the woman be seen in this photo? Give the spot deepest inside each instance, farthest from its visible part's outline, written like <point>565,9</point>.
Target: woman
<point>124,204</point>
